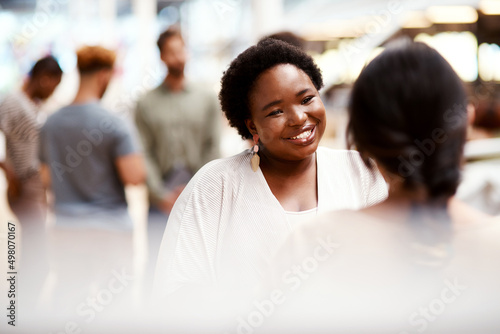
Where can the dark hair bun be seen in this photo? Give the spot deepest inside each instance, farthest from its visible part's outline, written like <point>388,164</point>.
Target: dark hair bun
<point>408,112</point>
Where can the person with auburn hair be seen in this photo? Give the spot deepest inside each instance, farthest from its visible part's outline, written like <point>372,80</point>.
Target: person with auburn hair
<point>88,154</point>
<point>235,212</point>
<point>88,157</point>
<point>94,58</point>
<point>410,263</point>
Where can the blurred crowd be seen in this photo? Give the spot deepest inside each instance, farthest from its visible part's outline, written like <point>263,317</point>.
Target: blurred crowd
<point>218,228</point>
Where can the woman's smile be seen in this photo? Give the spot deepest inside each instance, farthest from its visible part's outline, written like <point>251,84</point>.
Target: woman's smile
<point>305,136</point>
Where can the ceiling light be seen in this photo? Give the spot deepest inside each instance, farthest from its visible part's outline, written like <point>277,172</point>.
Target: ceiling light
<point>416,20</point>
<point>452,14</point>
<point>490,7</point>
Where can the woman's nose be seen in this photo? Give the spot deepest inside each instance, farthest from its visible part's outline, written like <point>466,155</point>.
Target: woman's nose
<point>297,116</point>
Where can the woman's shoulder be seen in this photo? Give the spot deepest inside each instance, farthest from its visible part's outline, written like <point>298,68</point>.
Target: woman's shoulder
<point>223,171</point>
<point>209,188</point>
<point>226,166</point>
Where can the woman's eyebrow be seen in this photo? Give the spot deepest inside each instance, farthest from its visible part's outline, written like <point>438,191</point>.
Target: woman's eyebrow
<point>302,92</point>
<point>269,105</point>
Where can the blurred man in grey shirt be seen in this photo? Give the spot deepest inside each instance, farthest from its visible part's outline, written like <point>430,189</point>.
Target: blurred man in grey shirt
<point>88,157</point>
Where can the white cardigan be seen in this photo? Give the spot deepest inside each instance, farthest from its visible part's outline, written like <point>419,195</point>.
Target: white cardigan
<point>227,224</point>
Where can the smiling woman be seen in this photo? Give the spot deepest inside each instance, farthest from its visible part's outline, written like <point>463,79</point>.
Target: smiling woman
<point>289,129</point>
<point>229,220</point>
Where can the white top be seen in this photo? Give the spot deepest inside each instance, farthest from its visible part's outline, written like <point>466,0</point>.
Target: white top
<point>227,224</point>
<point>295,218</point>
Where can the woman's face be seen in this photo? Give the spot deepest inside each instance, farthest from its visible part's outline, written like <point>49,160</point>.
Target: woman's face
<point>287,113</point>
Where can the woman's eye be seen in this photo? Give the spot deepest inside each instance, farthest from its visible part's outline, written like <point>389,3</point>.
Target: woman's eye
<point>274,112</point>
<point>307,99</point>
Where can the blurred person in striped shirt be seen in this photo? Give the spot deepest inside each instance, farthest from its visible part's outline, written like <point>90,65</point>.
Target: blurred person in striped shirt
<point>20,123</point>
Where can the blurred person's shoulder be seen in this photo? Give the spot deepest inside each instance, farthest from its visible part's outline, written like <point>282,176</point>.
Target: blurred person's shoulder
<point>484,233</point>
<point>199,87</point>
<point>375,224</point>
<point>465,216</point>
<point>8,104</point>
<point>8,99</point>
<point>204,94</point>
<point>55,118</point>
<point>152,94</point>
<point>84,115</point>
<point>14,96</point>
<point>476,257</point>
<point>343,225</point>
<point>14,101</point>
<point>340,242</point>
<point>76,111</point>
<point>197,92</point>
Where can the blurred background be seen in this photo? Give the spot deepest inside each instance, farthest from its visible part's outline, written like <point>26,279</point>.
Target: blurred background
<point>342,36</point>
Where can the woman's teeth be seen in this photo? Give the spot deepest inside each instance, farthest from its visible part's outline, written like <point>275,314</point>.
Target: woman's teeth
<point>303,135</point>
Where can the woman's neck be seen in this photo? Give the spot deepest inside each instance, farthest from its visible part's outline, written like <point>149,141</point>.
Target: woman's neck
<point>293,183</point>
<point>286,168</point>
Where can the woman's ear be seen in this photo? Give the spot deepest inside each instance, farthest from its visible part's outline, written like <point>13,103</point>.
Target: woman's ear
<point>251,126</point>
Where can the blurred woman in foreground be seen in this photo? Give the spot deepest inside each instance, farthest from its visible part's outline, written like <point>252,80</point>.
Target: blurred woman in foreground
<point>405,265</point>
